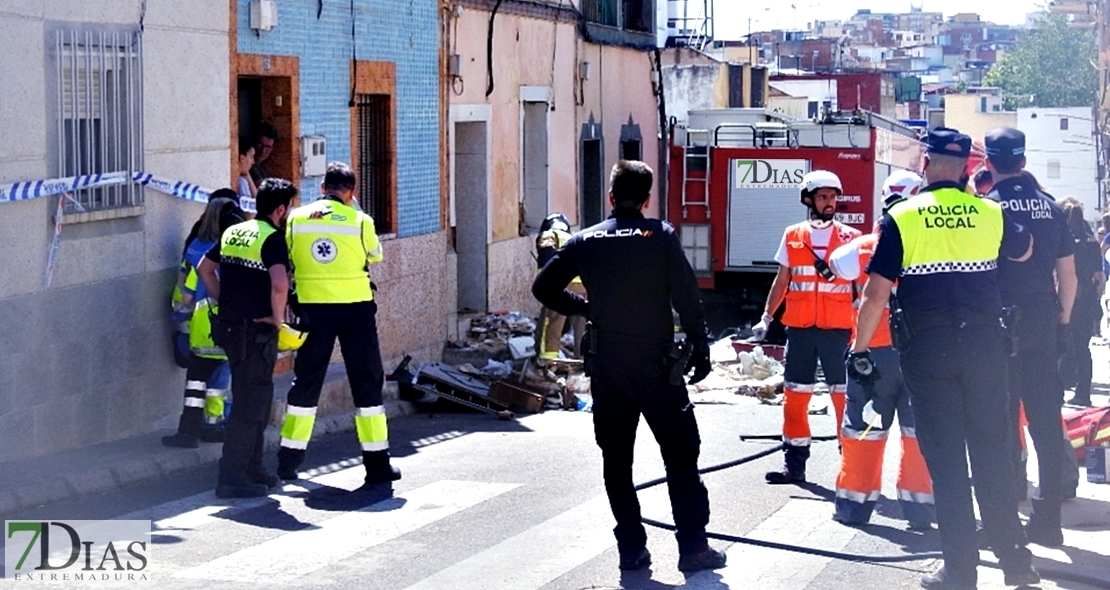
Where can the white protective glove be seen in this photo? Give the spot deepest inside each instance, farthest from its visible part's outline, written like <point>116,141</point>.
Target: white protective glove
<point>759,331</point>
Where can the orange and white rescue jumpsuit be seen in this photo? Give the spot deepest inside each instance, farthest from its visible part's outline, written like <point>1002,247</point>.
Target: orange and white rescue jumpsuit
<point>818,320</point>
<point>859,482</point>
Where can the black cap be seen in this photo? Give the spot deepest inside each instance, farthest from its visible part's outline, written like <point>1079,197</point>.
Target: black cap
<point>1005,143</point>
<point>948,142</point>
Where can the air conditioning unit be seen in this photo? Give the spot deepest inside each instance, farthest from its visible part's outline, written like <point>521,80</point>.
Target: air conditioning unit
<point>314,155</point>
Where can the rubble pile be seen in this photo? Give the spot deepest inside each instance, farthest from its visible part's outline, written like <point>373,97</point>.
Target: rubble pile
<point>753,373</point>
<point>488,339</point>
<point>497,357</point>
<point>493,367</point>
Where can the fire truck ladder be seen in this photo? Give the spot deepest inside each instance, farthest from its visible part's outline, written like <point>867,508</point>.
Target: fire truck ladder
<point>696,156</point>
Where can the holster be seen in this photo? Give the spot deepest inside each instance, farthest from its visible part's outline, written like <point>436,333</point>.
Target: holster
<point>589,349</point>
<point>1011,315</point>
<point>901,333</point>
<point>675,362</point>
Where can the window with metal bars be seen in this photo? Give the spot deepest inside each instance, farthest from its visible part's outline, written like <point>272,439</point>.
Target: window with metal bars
<point>99,113</point>
<point>375,159</point>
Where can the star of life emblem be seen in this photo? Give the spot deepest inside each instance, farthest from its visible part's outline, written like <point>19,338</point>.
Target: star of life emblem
<point>324,250</point>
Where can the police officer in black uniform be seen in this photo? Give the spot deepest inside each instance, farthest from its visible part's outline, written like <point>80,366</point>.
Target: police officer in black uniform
<point>1044,304</point>
<point>635,271</point>
<point>943,246</point>
<point>252,287</point>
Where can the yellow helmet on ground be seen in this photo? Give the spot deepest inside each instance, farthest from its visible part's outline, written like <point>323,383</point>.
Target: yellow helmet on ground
<point>290,338</point>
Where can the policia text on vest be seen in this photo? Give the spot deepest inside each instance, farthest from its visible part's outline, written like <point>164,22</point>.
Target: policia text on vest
<point>949,216</point>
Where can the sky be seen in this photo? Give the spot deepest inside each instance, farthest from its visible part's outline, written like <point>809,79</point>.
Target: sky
<point>731,16</point>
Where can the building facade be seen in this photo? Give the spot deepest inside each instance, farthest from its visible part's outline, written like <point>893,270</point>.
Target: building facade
<point>977,112</point>
<point>1060,150</point>
<point>359,83</point>
<point>541,106</point>
<point>96,87</point>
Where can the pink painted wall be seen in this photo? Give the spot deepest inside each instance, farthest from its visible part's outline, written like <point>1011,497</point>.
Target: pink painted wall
<point>534,52</point>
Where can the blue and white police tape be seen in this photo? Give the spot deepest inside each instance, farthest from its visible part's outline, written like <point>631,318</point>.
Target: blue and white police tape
<point>176,188</point>
<point>34,189</point>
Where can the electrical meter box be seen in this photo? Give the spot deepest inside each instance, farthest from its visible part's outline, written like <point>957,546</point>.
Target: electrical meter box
<point>314,155</point>
<point>263,15</point>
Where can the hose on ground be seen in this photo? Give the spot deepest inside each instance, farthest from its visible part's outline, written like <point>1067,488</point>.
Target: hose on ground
<point>1051,573</point>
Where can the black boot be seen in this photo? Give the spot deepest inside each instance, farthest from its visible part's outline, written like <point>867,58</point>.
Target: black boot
<point>1044,524</point>
<point>706,559</point>
<point>188,429</point>
<point>637,561</point>
<point>181,441</point>
<point>378,469</point>
<point>288,462</point>
<point>794,467</point>
<point>1080,400</point>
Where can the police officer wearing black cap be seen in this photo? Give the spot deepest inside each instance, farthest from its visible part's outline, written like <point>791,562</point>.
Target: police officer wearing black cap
<point>1043,289</point>
<point>635,271</point>
<point>943,247</point>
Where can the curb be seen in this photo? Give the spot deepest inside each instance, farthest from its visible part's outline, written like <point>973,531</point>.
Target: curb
<point>162,462</point>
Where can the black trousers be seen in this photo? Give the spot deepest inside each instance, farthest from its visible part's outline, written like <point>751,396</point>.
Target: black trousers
<point>252,351</point>
<point>626,385</point>
<point>355,326</point>
<point>1034,382</point>
<point>1077,366</point>
<point>957,382</point>
<point>199,371</point>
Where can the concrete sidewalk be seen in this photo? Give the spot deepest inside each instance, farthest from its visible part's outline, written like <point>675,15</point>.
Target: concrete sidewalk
<point>99,468</point>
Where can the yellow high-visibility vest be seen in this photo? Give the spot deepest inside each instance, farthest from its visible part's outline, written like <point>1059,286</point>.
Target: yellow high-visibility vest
<point>200,324</point>
<point>331,247</point>
<point>948,230</point>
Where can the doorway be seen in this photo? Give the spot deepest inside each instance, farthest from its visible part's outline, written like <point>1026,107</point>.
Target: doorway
<point>266,100</point>
<point>472,215</point>
<point>266,89</point>
<point>593,202</point>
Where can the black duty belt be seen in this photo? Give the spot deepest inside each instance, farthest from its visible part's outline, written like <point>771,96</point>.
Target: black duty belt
<point>927,321</point>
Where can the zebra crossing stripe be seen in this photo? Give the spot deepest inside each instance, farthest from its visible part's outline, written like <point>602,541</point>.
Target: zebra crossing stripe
<point>201,509</point>
<point>545,551</point>
<point>802,522</point>
<point>296,554</point>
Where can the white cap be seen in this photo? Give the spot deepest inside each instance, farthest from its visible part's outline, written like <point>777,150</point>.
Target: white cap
<point>821,179</point>
<point>901,184</point>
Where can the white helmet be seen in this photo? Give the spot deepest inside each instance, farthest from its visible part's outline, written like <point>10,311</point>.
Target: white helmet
<point>821,179</point>
<point>901,184</point>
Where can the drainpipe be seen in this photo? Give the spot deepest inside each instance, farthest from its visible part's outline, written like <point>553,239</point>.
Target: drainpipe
<point>664,133</point>
<point>489,49</point>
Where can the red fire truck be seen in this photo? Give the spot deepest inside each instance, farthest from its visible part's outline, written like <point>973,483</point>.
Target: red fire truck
<point>733,184</point>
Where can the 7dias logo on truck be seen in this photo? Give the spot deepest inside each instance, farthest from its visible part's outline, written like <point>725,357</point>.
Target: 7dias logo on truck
<point>77,550</point>
<point>769,173</point>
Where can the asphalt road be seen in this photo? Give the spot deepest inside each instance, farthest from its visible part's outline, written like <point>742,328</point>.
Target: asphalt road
<point>506,504</point>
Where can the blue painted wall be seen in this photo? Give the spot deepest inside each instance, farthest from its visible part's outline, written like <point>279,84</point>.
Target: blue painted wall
<point>405,32</point>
